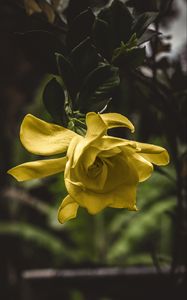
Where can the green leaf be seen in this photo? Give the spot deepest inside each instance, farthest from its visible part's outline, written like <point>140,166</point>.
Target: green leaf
<point>142,22</point>
<point>53,98</point>
<point>67,73</point>
<point>85,58</point>
<point>119,20</point>
<point>147,36</point>
<point>80,28</point>
<point>102,38</point>
<point>129,54</point>
<point>98,87</point>
<point>35,234</point>
<point>140,228</point>
<point>142,6</point>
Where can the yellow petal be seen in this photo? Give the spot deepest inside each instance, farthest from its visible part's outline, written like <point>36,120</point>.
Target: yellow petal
<point>120,171</point>
<point>113,120</point>
<point>125,197</point>
<point>122,197</point>
<point>143,167</point>
<point>96,127</point>
<point>109,142</point>
<point>94,179</point>
<point>155,154</point>
<point>38,169</point>
<point>40,137</point>
<point>93,202</point>
<point>67,210</point>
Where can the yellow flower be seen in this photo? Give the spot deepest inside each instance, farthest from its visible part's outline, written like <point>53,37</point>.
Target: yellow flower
<point>99,170</point>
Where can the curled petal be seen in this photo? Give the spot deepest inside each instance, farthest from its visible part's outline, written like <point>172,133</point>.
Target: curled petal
<point>96,127</point>
<point>67,210</point>
<point>40,137</point>
<point>143,167</point>
<point>155,154</point>
<point>113,120</point>
<point>93,202</point>
<point>38,169</point>
<point>122,197</point>
<point>112,143</point>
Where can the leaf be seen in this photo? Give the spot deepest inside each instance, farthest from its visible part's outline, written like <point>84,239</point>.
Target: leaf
<point>85,58</point>
<point>119,20</point>
<point>35,234</point>
<point>142,6</point>
<point>53,98</point>
<point>68,75</point>
<point>142,22</point>
<point>97,87</point>
<point>147,36</point>
<point>80,28</point>
<point>75,8</point>
<point>102,38</point>
<point>129,55</point>
<point>135,57</point>
<point>140,228</point>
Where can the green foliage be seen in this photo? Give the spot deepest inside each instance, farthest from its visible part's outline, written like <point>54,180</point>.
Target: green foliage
<point>119,21</point>
<point>38,236</point>
<point>142,22</point>
<point>94,45</point>
<point>129,55</point>
<point>80,28</point>
<point>97,88</point>
<point>54,100</point>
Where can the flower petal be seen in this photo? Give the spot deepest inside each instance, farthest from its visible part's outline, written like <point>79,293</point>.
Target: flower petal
<point>93,202</point>
<point>96,127</point>
<point>155,154</point>
<point>143,167</point>
<point>122,197</point>
<point>38,169</point>
<point>125,197</point>
<point>113,120</point>
<point>40,137</point>
<point>110,142</point>
<point>67,210</point>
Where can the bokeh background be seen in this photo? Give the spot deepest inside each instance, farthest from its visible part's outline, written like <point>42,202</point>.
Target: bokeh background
<point>30,235</point>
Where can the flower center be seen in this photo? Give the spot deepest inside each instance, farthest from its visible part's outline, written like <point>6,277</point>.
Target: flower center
<point>95,169</point>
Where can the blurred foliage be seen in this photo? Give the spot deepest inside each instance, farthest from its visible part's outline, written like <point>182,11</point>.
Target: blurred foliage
<point>100,56</point>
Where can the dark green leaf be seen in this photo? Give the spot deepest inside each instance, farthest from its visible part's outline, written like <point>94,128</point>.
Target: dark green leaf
<point>85,58</point>
<point>119,20</point>
<point>98,87</point>
<point>147,36</point>
<point>102,38</point>
<point>142,6</point>
<point>80,28</point>
<point>129,55</point>
<point>132,58</point>
<point>142,22</point>
<point>53,98</point>
<point>67,72</point>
